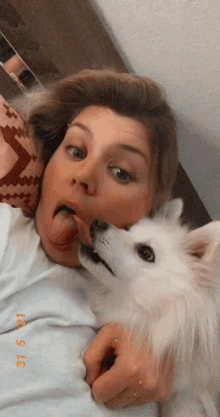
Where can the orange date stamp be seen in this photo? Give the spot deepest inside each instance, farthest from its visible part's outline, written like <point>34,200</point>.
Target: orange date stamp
<point>20,342</point>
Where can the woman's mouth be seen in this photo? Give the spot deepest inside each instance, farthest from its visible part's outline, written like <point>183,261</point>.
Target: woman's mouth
<point>66,225</point>
<point>64,207</point>
<point>69,209</point>
<point>63,228</point>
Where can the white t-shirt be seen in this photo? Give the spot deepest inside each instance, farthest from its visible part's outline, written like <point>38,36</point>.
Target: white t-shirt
<point>56,324</point>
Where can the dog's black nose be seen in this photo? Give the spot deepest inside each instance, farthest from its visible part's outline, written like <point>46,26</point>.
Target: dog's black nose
<point>98,225</point>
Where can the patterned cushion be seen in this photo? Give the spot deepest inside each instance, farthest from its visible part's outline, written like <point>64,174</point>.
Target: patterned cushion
<point>20,169</point>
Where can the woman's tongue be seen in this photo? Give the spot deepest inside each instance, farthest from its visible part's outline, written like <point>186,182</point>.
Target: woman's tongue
<point>63,227</point>
<point>66,226</point>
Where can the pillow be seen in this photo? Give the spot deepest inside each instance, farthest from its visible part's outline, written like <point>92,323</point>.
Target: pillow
<point>21,170</point>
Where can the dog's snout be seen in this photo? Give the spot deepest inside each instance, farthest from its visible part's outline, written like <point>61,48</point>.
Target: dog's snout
<point>98,225</point>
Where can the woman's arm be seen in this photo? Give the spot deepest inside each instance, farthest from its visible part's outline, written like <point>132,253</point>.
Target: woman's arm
<point>135,377</point>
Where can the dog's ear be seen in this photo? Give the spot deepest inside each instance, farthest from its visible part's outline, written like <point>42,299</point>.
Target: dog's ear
<point>172,210</point>
<point>204,243</point>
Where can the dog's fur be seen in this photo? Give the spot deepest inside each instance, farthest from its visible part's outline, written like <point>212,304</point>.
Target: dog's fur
<point>166,288</point>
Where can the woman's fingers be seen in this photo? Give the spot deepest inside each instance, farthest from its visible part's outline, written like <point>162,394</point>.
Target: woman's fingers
<point>136,376</point>
<point>110,384</point>
<point>93,357</point>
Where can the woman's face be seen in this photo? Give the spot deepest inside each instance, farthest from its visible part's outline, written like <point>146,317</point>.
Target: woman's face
<point>101,170</point>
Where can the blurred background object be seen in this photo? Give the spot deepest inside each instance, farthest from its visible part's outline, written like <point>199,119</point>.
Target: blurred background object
<point>15,66</point>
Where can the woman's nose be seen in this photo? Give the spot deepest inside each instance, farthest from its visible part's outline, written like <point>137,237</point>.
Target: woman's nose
<point>88,176</point>
<point>98,225</point>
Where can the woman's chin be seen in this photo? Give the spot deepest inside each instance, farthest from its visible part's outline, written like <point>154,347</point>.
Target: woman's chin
<point>62,255</point>
<point>65,254</point>
<point>64,260</point>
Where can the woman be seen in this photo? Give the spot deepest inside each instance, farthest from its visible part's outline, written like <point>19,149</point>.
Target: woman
<point>109,143</point>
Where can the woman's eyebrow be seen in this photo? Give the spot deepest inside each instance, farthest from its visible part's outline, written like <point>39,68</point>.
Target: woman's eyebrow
<point>131,148</point>
<point>123,146</point>
<point>83,127</point>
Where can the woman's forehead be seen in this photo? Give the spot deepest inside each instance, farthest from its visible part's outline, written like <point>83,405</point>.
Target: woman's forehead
<point>95,118</point>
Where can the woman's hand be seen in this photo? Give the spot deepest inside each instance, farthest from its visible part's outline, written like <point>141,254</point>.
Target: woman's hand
<point>135,378</point>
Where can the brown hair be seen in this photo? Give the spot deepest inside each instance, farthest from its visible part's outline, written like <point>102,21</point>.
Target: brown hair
<point>127,94</point>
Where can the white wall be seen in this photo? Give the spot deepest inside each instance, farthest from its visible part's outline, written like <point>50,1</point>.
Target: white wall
<point>176,43</point>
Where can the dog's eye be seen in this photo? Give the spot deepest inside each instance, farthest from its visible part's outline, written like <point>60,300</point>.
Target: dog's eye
<point>126,228</point>
<point>146,253</point>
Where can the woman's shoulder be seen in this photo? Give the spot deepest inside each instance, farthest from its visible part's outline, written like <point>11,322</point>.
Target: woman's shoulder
<point>9,212</point>
<point>16,232</point>
<point>9,216</point>
<point>7,208</point>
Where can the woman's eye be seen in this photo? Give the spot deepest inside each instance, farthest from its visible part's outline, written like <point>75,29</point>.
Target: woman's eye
<point>124,175</point>
<point>121,174</point>
<point>76,152</point>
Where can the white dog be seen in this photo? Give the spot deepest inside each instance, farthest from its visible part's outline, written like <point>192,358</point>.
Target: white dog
<point>160,279</point>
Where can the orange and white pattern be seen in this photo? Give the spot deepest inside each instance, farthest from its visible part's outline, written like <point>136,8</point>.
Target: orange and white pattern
<point>20,169</point>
